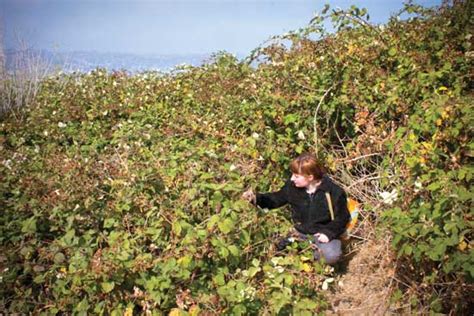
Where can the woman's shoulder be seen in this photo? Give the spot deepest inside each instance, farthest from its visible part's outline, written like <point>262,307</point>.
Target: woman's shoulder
<point>329,185</point>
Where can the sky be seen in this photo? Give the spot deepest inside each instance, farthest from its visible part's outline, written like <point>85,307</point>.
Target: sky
<point>165,27</point>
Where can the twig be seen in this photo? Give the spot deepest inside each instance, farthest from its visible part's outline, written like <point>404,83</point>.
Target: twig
<point>316,117</point>
<point>360,21</point>
<point>360,157</point>
<point>340,141</point>
<point>358,237</point>
<point>367,179</point>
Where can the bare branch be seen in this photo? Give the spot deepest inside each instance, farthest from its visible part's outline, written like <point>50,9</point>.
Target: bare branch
<point>315,119</point>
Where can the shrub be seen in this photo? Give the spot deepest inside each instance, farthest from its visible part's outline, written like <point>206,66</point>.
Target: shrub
<point>121,193</point>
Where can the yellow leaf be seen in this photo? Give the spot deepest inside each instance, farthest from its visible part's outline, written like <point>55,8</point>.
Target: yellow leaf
<point>427,145</point>
<point>304,258</point>
<point>184,261</point>
<point>306,267</point>
<point>175,312</point>
<point>128,311</point>
<point>462,245</point>
<point>350,49</point>
<point>194,310</point>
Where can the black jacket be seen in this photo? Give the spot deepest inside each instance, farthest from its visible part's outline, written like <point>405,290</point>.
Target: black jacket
<point>310,212</point>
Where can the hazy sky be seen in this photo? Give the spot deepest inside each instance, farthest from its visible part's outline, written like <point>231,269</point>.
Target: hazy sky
<point>165,27</point>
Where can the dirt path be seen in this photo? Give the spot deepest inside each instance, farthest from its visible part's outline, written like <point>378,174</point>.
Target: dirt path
<point>365,282</point>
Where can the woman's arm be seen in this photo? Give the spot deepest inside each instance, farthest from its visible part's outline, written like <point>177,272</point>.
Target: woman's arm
<point>273,199</point>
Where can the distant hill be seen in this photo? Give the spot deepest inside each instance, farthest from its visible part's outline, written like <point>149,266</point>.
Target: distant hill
<point>84,61</point>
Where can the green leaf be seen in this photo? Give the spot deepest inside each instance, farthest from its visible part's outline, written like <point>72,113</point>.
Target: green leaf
<point>226,225</point>
<point>59,258</point>
<point>29,225</point>
<point>107,287</point>
<point>392,51</point>
<point>408,249</point>
<point>68,238</point>
<point>212,221</point>
<point>291,118</point>
<point>219,279</point>
<point>224,252</point>
<point>83,306</point>
<point>177,228</point>
<point>234,250</point>
<point>252,271</point>
<point>110,222</point>
<point>434,186</point>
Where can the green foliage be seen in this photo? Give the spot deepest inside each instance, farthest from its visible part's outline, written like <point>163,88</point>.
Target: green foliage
<point>120,193</point>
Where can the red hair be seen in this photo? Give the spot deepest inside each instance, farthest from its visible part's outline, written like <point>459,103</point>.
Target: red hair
<point>307,165</point>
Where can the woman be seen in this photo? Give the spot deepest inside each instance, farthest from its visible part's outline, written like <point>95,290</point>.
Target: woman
<point>306,192</point>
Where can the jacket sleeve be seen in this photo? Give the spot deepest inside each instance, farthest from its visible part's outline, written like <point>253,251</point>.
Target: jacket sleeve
<point>335,228</point>
<point>273,199</point>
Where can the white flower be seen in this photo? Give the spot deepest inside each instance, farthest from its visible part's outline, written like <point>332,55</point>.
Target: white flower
<point>7,163</point>
<point>418,186</point>
<point>255,135</point>
<point>232,167</point>
<point>326,283</point>
<point>389,197</point>
<point>301,135</point>
<point>61,125</point>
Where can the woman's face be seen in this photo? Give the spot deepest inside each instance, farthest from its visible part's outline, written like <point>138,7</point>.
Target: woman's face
<point>301,181</point>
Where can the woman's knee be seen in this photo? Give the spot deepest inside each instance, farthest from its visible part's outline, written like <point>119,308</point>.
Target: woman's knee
<point>331,252</point>
<point>332,257</point>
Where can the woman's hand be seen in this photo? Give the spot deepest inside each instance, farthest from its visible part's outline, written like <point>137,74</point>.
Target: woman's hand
<point>249,196</point>
<point>322,238</point>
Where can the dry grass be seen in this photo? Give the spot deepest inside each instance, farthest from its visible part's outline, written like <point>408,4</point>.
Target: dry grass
<point>365,286</point>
